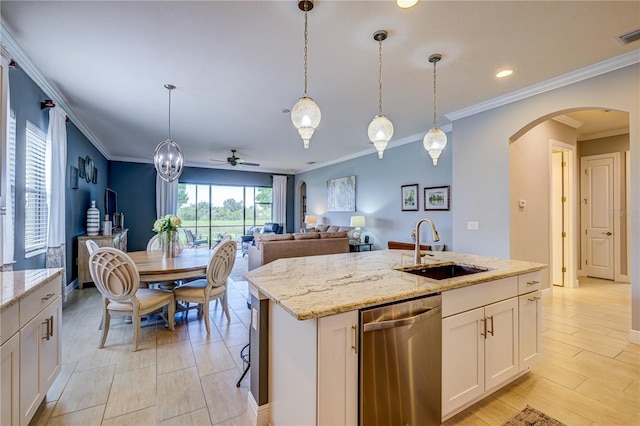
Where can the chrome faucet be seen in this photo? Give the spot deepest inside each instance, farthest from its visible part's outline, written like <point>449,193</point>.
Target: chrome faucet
<point>434,233</point>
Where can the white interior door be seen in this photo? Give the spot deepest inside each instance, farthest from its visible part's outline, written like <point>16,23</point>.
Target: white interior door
<point>598,205</point>
<point>558,232</point>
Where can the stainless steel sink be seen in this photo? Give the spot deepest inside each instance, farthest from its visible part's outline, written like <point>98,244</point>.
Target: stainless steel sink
<point>443,272</point>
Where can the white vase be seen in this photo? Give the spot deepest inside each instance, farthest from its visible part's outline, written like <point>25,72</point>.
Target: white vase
<point>93,219</point>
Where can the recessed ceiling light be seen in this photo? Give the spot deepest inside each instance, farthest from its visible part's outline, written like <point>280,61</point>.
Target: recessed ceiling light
<point>504,73</point>
<point>406,4</point>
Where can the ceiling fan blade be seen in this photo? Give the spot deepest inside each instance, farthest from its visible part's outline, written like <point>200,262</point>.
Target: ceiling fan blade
<point>218,161</point>
<point>250,164</point>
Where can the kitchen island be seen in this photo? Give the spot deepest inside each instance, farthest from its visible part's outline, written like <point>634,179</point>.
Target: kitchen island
<point>312,333</point>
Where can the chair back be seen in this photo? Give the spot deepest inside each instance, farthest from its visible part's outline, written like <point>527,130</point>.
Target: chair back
<point>154,243</point>
<point>114,274</point>
<point>189,235</point>
<point>271,228</point>
<point>221,263</point>
<point>91,246</point>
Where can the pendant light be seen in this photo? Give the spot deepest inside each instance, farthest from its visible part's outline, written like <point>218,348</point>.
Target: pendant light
<point>305,114</point>
<point>435,140</point>
<point>380,129</point>
<point>168,157</point>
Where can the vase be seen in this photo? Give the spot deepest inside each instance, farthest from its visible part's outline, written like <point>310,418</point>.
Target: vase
<point>170,244</point>
<point>93,219</point>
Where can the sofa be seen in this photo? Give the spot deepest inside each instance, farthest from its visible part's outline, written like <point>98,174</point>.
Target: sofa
<point>270,247</point>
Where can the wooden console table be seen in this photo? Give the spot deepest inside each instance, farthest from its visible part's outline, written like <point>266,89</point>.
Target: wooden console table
<point>117,240</point>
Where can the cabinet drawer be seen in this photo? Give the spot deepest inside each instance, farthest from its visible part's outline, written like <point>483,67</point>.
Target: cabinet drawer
<point>467,298</point>
<point>34,303</point>
<point>529,282</point>
<point>10,320</point>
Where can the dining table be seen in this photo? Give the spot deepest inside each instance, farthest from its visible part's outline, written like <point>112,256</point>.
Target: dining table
<point>154,267</point>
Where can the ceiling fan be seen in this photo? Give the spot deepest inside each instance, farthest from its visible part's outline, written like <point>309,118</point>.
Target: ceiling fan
<point>236,161</point>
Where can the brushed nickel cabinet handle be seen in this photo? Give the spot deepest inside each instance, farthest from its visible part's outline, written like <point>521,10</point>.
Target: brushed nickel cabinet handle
<point>484,326</point>
<point>354,339</point>
<point>48,296</point>
<point>534,282</point>
<point>491,331</point>
<point>46,336</point>
<point>533,299</point>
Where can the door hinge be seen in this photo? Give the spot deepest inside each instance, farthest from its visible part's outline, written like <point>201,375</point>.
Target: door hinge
<point>586,261</point>
<point>564,234</point>
<point>564,269</point>
<point>564,199</point>
<point>564,164</point>
<point>586,172</point>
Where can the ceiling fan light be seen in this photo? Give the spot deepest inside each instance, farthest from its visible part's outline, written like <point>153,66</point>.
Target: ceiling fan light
<point>434,141</point>
<point>380,132</point>
<point>305,115</point>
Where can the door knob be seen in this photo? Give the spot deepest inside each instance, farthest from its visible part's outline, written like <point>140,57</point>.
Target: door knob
<point>607,233</point>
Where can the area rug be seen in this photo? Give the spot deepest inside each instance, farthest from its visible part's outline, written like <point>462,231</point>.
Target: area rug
<point>239,268</point>
<point>532,417</point>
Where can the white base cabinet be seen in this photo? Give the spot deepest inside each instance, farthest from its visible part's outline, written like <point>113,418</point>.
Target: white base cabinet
<point>9,385</point>
<point>530,322</point>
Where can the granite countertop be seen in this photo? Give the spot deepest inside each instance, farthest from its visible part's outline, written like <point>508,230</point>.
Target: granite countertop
<point>318,286</point>
<point>15,285</point>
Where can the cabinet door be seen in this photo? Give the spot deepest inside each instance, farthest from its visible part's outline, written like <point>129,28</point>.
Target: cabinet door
<point>530,326</point>
<point>10,385</point>
<point>501,343</point>
<point>50,349</point>
<point>463,359</point>
<point>31,390</point>
<point>338,369</point>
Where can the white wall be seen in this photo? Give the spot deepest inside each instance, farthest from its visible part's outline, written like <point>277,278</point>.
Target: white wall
<point>481,156</point>
<point>378,198</point>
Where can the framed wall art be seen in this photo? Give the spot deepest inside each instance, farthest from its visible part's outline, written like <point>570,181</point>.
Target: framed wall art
<point>409,197</point>
<point>437,198</point>
<point>341,194</point>
<point>73,178</point>
<point>82,164</point>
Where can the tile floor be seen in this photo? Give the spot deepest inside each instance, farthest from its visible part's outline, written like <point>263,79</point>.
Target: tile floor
<point>589,374</point>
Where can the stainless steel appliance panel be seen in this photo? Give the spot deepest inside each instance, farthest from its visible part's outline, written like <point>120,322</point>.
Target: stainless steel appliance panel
<point>400,363</point>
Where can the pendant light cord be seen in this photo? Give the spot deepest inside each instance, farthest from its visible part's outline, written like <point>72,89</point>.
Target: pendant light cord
<point>434,94</point>
<point>170,113</point>
<point>380,76</point>
<point>306,36</point>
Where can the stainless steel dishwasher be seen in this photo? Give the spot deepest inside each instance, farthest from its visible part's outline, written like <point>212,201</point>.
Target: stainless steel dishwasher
<point>400,363</point>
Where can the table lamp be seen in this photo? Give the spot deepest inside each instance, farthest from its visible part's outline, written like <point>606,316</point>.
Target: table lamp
<point>358,222</point>
<point>310,220</point>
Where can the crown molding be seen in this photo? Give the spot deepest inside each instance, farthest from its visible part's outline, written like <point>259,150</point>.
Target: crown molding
<point>29,67</point>
<point>594,70</point>
<point>605,134</point>
<point>568,121</point>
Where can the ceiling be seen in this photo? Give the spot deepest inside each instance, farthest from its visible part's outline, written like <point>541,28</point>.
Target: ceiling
<point>238,64</point>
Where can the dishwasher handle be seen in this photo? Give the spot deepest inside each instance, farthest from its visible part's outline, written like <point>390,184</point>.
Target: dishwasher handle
<point>383,325</point>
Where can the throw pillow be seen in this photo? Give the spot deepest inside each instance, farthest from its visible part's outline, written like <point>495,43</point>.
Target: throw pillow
<point>272,237</point>
<point>333,235</point>
<point>333,228</point>
<point>322,228</point>
<point>306,236</point>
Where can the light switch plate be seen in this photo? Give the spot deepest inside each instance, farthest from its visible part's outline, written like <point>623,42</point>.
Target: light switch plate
<point>473,226</point>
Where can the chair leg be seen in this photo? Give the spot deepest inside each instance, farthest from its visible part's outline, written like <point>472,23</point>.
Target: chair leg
<point>225,306</point>
<point>106,319</point>
<point>172,314</point>
<point>207,319</point>
<point>136,331</point>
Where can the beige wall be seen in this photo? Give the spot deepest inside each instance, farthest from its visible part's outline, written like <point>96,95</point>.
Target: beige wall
<point>529,178</point>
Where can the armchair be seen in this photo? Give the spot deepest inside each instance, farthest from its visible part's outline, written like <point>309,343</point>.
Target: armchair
<point>247,239</point>
<point>270,228</point>
<point>194,240</point>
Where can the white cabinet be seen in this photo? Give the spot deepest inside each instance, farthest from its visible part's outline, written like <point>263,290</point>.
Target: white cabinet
<point>40,358</point>
<point>479,352</point>
<point>338,369</point>
<point>9,385</point>
<point>530,318</point>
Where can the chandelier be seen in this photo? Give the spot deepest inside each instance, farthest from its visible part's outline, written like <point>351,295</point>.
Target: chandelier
<point>168,157</point>
<point>435,140</point>
<point>380,129</point>
<point>305,114</point>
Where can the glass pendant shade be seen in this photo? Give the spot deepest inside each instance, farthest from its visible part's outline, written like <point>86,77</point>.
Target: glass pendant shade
<point>380,131</point>
<point>434,141</point>
<point>405,4</point>
<point>306,115</point>
<point>168,160</point>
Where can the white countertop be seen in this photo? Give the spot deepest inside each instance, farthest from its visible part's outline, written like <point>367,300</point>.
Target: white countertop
<point>318,286</point>
<point>15,285</point>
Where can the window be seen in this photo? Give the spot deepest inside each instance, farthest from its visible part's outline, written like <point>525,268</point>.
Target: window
<point>215,210</point>
<point>11,156</point>
<point>35,213</point>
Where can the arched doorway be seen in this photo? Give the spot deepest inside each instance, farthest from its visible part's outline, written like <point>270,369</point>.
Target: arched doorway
<point>551,207</point>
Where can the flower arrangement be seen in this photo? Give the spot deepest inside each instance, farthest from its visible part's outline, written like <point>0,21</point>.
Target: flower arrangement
<point>167,223</point>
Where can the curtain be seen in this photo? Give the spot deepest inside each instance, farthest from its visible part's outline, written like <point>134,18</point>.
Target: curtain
<point>56,166</point>
<point>6,221</point>
<point>166,197</point>
<point>280,200</point>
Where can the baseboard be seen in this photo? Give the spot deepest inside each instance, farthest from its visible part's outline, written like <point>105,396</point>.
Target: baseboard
<point>634,336</point>
<point>71,287</point>
<point>259,415</point>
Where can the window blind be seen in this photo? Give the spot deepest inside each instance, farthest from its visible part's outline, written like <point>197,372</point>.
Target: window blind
<point>35,212</point>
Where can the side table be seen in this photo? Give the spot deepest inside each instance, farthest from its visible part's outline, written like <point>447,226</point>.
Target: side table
<point>353,246</point>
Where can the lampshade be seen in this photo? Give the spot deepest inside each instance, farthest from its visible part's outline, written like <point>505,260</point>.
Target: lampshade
<point>380,132</point>
<point>434,141</point>
<point>357,221</point>
<point>309,219</point>
<point>306,116</point>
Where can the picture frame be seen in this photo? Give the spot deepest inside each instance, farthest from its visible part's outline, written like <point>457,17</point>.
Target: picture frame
<point>341,194</point>
<point>82,168</point>
<point>73,177</point>
<point>94,175</point>
<point>410,197</point>
<point>437,198</point>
